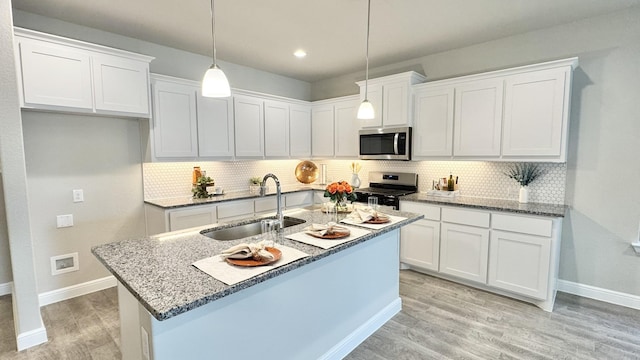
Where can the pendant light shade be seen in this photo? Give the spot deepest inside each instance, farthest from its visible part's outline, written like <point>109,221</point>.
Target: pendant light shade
<point>366,111</point>
<point>215,83</point>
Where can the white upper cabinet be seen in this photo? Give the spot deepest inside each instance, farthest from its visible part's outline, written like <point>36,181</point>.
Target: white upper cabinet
<point>391,97</point>
<point>215,127</point>
<point>121,84</point>
<point>276,129</point>
<point>322,127</point>
<point>518,114</point>
<point>347,126</point>
<point>300,131</point>
<point>68,86</point>
<point>57,73</point>
<point>249,127</point>
<point>535,113</point>
<point>175,122</point>
<point>478,118</point>
<point>433,125</point>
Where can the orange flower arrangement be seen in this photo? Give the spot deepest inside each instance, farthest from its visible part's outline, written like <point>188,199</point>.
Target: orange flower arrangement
<point>340,191</point>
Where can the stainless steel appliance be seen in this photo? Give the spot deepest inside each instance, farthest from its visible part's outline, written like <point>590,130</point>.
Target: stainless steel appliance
<point>386,144</point>
<point>388,187</point>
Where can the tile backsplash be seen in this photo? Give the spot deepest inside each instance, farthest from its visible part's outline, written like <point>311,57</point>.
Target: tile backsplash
<point>477,179</point>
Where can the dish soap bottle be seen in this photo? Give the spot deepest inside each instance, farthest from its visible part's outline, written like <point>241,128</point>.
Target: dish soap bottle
<point>451,183</point>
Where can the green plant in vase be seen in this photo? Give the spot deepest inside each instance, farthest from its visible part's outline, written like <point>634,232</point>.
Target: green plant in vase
<point>524,174</point>
<point>199,189</point>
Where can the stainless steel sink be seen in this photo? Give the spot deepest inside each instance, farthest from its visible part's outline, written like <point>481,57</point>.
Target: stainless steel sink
<point>245,230</point>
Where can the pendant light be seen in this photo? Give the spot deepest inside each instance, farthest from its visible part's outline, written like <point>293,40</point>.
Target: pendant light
<point>215,83</point>
<point>365,111</point>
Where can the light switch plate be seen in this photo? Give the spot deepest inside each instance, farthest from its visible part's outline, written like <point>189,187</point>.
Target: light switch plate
<point>64,221</point>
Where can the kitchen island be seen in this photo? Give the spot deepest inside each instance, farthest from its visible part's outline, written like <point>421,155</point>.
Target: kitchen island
<point>320,306</point>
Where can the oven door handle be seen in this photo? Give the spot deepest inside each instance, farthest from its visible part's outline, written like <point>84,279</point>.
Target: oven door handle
<point>395,143</point>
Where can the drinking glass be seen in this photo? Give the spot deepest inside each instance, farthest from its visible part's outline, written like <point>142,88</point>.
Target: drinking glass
<point>270,229</point>
<point>373,203</point>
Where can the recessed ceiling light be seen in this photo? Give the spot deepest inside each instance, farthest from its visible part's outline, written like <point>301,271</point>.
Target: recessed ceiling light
<point>300,53</point>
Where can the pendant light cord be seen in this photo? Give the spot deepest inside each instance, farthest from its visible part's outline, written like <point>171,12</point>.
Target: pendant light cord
<point>366,77</point>
<point>213,32</point>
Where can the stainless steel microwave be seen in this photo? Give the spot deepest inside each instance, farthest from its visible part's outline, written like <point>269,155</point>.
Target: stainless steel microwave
<point>386,144</point>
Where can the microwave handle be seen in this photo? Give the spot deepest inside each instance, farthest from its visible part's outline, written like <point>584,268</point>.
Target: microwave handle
<point>395,143</point>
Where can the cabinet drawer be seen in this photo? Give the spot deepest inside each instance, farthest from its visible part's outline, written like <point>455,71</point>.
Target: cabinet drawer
<point>522,224</point>
<point>298,199</point>
<point>267,204</point>
<point>236,208</point>
<point>430,212</point>
<point>466,217</point>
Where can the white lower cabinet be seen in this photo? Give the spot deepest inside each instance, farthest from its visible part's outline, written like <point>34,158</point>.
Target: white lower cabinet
<point>464,251</point>
<point>188,218</point>
<point>520,263</point>
<point>516,255</point>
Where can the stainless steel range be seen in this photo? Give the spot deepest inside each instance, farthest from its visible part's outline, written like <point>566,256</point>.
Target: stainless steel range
<point>388,187</point>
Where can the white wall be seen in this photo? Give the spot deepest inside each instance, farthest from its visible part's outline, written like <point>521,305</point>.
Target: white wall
<point>99,155</point>
<point>171,61</point>
<point>5,260</point>
<point>603,167</point>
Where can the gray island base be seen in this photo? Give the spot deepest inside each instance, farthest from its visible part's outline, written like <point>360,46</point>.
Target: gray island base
<point>318,307</point>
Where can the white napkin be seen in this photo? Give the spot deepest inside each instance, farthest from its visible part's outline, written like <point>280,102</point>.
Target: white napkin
<point>329,228</point>
<point>256,251</point>
<point>360,215</point>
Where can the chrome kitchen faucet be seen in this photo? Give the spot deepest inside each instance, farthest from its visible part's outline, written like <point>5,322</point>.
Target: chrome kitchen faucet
<point>263,191</point>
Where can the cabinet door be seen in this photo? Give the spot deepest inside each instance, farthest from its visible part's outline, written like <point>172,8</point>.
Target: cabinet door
<point>478,118</point>
<point>395,104</point>
<point>185,219</point>
<point>276,129</point>
<point>347,127</point>
<point>299,131</point>
<point>420,244</point>
<point>175,132</point>
<point>55,75</point>
<point>322,131</point>
<point>433,124</point>
<point>464,251</point>
<point>121,85</point>
<point>376,99</point>
<point>520,263</point>
<point>215,127</point>
<point>235,210</point>
<point>535,114</point>
<point>249,127</point>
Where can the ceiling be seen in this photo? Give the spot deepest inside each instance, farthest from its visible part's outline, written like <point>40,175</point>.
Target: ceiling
<point>263,34</point>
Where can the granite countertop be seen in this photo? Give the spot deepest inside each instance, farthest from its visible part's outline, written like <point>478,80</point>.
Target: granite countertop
<point>158,270</point>
<point>491,204</point>
<point>177,202</point>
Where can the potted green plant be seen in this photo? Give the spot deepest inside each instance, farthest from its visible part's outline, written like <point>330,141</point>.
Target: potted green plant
<point>524,174</point>
<point>254,184</point>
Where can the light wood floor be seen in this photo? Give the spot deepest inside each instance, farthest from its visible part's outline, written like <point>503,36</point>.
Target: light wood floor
<point>439,320</point>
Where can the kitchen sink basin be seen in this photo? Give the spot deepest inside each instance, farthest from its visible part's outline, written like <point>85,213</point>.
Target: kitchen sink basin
<point>246,230</point>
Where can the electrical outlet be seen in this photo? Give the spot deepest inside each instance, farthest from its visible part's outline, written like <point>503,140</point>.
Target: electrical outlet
<point>61,264</point>
<point>144,336</point>
<point>64,221</point>
<point>78,195</point>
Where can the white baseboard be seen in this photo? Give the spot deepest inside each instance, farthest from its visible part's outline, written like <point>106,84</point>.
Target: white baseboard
<point>6,288</point>
<point>69,292</point>
<point>344,347</point>
<point>31,338</point>
<point>596,293</point>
